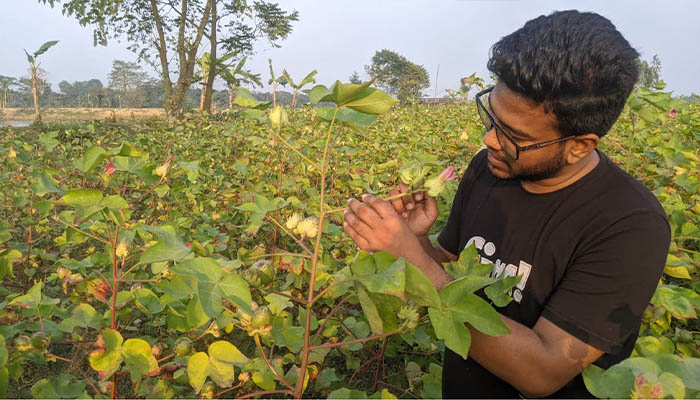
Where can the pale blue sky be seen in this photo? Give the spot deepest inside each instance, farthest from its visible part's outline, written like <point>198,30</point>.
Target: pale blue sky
<point>339,37</point>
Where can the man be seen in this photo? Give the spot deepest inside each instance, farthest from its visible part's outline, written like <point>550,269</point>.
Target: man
<point>542,202</point>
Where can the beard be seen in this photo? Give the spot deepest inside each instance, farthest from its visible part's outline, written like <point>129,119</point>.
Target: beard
<point>542,170</point>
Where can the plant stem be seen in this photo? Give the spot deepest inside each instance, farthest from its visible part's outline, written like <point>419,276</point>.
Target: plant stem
<point>334,284</point>
<point>280,255</point>
<point>331,345</point>
<point>396,196</point>
<point>307,331</point>
<point>266,392</point>
<point>68,360</point>
<point>105,241</point>
<point>307,159</point>
<point>269,365</point>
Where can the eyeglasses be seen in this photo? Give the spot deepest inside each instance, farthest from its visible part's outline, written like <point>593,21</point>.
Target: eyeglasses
<point>506,141</point>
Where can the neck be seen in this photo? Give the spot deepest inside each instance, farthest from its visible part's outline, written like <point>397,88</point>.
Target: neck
<point>567,176</point>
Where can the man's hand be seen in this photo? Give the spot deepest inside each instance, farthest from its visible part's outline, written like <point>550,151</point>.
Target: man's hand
<point>418,210</point>
<point>374,226</point>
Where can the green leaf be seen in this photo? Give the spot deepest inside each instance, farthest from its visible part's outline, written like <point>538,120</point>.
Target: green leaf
<point>7,259</point>
<point>647,346</point>
<point>46,184</point>
<point>277,303</point>
<point>498,291</point>
<point>345,115</point>
<point>364,265</point>
<point>213,284</point>
<point>45,47</point>
<point>148,302</point>
<point>468,263</point>
<point>48,139</point>
<point>92,156</point>
<point>198,370</point>
<point>317,93</point>
<point>29,300</point>
<point>129,164</point>
<point>191,169</point>
<point>343,93</point>
<point>475,310</point>
<point>672,385</point>
<point>391,281</point>
<point>4,381</point>
<point>345,393</point>
<point>196,316</point>
<point>467,284</point>
<point>371,101</point>
<point>168,248</point>
<point>450,329</point>
<point>58,387</point>
<point>613,383</point>
<point>85,201</point>
<point>245,99</point>
<point>371,313</point>
<point>224,352</point>
<point>83,316</point>
<point>139,359</point>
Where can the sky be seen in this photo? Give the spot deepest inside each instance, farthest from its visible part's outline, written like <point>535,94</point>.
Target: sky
<point>339,37</point>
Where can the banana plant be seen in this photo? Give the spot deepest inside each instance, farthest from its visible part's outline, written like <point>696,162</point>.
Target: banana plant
<point>33,67</point>
<point>205,68</point>
<point>237,76</point>
<point>310,78</point>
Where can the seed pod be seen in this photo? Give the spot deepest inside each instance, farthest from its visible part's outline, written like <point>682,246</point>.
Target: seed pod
<point>183,347</point>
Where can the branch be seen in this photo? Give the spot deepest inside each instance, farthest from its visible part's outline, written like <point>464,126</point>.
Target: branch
<point>331,345</point>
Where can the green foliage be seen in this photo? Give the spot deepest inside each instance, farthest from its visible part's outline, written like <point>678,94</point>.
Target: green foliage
<point>192,220</point>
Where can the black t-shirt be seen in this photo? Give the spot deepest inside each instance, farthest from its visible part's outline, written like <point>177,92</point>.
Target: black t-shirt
<point>591,255</point>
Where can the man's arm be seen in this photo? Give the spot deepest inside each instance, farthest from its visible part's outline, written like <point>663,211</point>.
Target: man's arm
<point>536,361</point>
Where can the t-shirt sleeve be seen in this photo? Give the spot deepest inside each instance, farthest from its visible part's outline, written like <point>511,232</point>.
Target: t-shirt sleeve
<point>603,294</point>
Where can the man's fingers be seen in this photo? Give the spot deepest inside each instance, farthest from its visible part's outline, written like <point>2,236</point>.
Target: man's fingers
<point>360,241</point>
<point>398,202</point>
<point>382,207</point>
<point>358,225</point>
<point>366,213</point>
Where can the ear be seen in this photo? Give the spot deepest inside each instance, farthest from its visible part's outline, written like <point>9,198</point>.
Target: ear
<point>580,146</point>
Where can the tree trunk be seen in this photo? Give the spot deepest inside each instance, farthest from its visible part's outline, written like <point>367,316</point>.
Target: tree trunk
<point>35,89</point>
<point>162,54</point>
<point>208,93</point>
<point>230,96</point>
<point>204,93</point>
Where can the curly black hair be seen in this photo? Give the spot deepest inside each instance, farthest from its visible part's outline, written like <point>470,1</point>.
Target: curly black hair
<point>574,63</point>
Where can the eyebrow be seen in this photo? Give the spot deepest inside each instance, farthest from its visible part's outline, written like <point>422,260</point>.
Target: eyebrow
<point>518,132</point>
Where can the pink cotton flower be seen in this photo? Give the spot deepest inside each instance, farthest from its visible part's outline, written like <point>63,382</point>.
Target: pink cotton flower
<point>109,169</point>
<point>448,174</point>
<point>672,113</point>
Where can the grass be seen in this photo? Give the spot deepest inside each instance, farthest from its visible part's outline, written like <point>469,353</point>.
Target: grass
<point>83,114</point>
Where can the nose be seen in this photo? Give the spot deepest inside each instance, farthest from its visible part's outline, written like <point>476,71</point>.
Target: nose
<point>491,141</point>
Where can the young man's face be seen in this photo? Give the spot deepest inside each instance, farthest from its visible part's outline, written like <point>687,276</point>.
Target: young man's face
<point>526,124</point>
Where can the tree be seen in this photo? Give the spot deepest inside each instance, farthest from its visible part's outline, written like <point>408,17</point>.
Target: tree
<point>650,73</point>
<point>5,83</point>
<point>161,28</point>
<point>355,78</point>
<point>82,93</point>
<point>33,67</point>
<point>397,74</point>
<point>127,78</point>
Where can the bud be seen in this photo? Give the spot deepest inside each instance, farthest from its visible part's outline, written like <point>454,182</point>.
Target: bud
<point>672,113</point>
<point>162,171</point>
<point>413,174</point>
<point>261,322</point>
<point>40,340</point>
<point>109,169</point>
<point>23,343</point>
<point>122,249</point>
<point>307,227</point>
<point>293,221</point>
<point>183,347</point>
<point>207,391</point>
<point>278,117</point>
